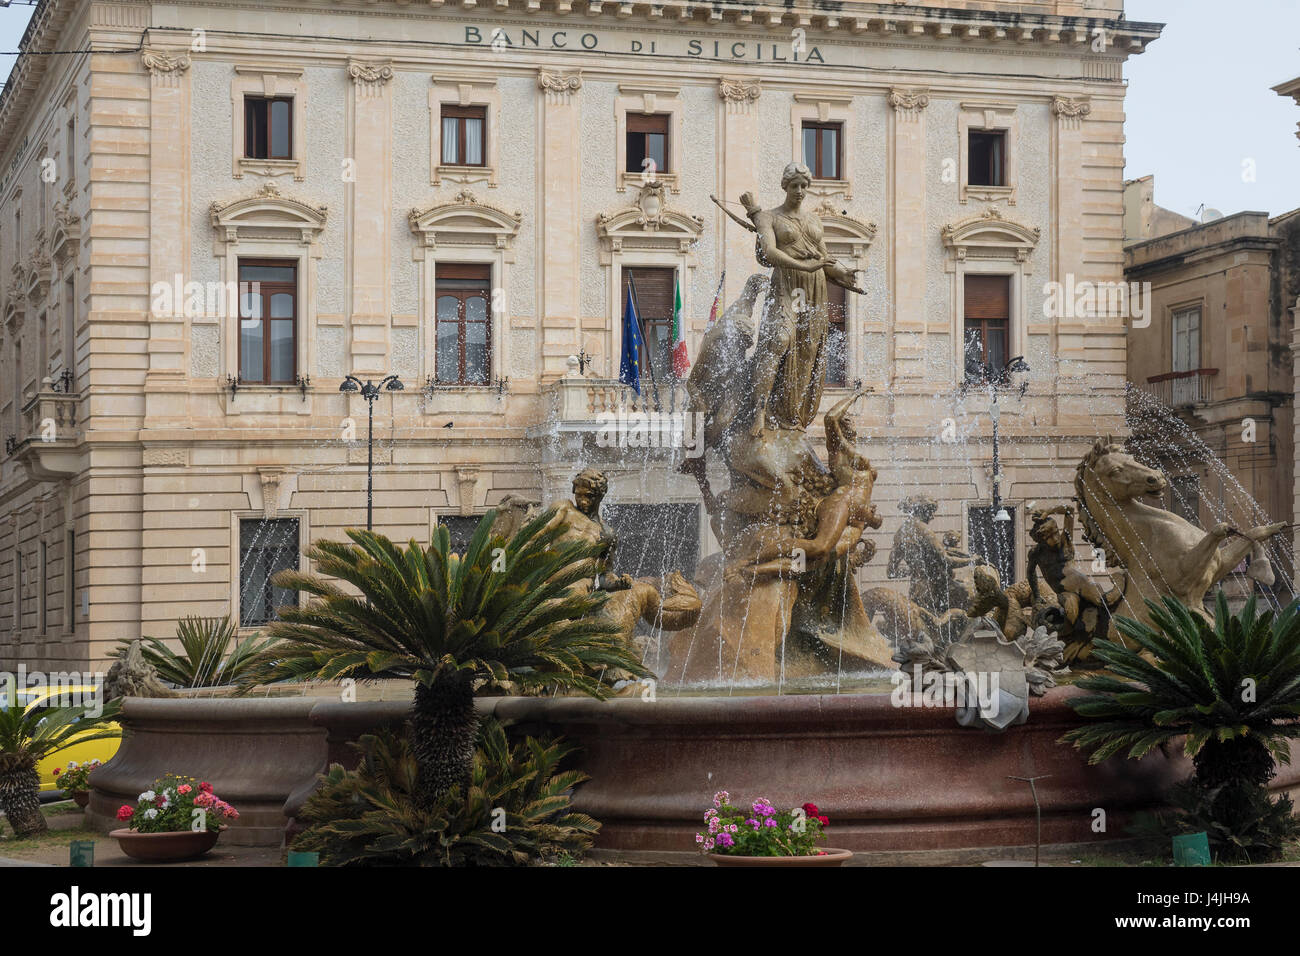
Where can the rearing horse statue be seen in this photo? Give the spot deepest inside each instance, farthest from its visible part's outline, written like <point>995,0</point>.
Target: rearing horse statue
<point>1160,552</point>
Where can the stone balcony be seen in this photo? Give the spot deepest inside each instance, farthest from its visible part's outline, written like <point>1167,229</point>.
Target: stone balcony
<point>48,439</point>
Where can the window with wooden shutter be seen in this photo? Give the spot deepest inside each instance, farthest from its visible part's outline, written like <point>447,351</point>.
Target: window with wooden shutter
<point>821,149</point>
<point>987,320</point>
<point>464,135</point>
<point>268,319</point>
<point>653,288</point>
<point>463,324</point>
<point>268,127</point>
<point>647,139</point>
<point>837,343</point>
<point>986,158</point>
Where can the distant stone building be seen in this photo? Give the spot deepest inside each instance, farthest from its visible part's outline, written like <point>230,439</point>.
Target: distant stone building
<point>1215,357</point>
<point>225,208</point>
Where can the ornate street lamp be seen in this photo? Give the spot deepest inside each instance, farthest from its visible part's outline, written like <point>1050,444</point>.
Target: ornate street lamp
<point>370,391</point>
<point>981,374</point>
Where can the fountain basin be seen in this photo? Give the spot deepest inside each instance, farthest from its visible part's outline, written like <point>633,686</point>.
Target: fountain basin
<point>254,752</point>
<point>889,778</point>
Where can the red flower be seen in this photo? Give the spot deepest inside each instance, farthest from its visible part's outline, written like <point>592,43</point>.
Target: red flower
<point>205,787</point>
<point>56,771</point>
<point>823,821</point>
<point>125,813</point>
<point>811,809</point>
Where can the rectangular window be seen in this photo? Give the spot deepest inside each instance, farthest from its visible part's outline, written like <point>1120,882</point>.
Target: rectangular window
<point>995,541</point>
<point>837,343</point>
<point>986,309</point>
<point>463,324</point>
<point>647,142</point>
<point>267,546</point>
<point>268,320</point>
<point>18,589</point>
<point>652,290</point>
<point>1187,340</point>
<point>655,540</point>
<point>821,149</point>
<point>268,127</point>
<point>70,330</point>
<point>986,158</point>
<point>70,147</point>
<point>461,529</point>
<point>464,132</point>
<point>1185,497</point>
<point>70,582</point>
<point>43,581</point>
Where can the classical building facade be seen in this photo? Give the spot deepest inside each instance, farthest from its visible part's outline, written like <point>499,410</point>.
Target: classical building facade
<point>213,218</point>
<point>1212,367</point>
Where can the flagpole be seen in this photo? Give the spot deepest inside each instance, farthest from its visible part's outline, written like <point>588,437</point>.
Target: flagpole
<point>645,348</point>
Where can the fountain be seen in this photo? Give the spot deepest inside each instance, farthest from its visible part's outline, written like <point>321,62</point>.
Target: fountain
<point>780,610</point>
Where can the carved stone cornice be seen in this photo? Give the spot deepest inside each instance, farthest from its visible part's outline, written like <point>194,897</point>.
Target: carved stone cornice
<point>559,86</point>
<point>164,68</point>
<point>738,92</point>
<point>160,61</point>
<point>1070,112</point>
<point>370,77</point>
<point>909,101</point>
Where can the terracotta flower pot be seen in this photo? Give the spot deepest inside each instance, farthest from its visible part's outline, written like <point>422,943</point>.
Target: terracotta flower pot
<point>80,797</point>
<point>829,857</point>
<point>165,847</point>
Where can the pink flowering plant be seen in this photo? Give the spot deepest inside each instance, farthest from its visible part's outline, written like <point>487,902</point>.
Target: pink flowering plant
<point>177,803</point>
<point>761,830</point>
<point>75,777</point>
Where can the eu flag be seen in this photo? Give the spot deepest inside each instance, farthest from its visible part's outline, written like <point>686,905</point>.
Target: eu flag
<point>630,369</point>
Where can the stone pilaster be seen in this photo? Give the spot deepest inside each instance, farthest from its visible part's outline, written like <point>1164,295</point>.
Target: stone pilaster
<point>738,173</point>
<point>560,228</point>
<point>169,234</point>
<point>908,239</point>
<point>370,212</point>
<point>1068,248</point>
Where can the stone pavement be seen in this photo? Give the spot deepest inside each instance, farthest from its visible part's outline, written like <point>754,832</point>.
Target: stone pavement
<point>53,852</point>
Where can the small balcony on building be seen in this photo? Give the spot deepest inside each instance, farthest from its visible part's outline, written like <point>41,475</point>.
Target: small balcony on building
<point>1184,389</point>
<point>47,439</point>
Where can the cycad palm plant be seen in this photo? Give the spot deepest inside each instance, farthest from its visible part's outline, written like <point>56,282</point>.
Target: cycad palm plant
<point>29,736</point>
<point>207,658</point>
<point>504,611</point>
<point>514,809</point>
<point>1231,689</point>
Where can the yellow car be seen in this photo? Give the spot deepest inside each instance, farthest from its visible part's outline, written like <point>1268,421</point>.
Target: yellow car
<point>42,698</point>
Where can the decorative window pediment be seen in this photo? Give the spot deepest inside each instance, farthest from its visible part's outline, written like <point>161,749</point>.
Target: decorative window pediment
<point>989,236</point>
<point>65,240</point>
<point>15,299</point>
<point>647,225</point>
<point>268,214</point>
<point>844,235</point>
<point>40,273</point>
<point>466,221</point>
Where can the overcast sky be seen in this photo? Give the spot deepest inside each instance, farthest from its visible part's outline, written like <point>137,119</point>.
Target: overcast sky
<point>1199,106</point>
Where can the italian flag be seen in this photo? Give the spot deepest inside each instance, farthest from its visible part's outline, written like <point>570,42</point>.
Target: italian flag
<point>681,364</point>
